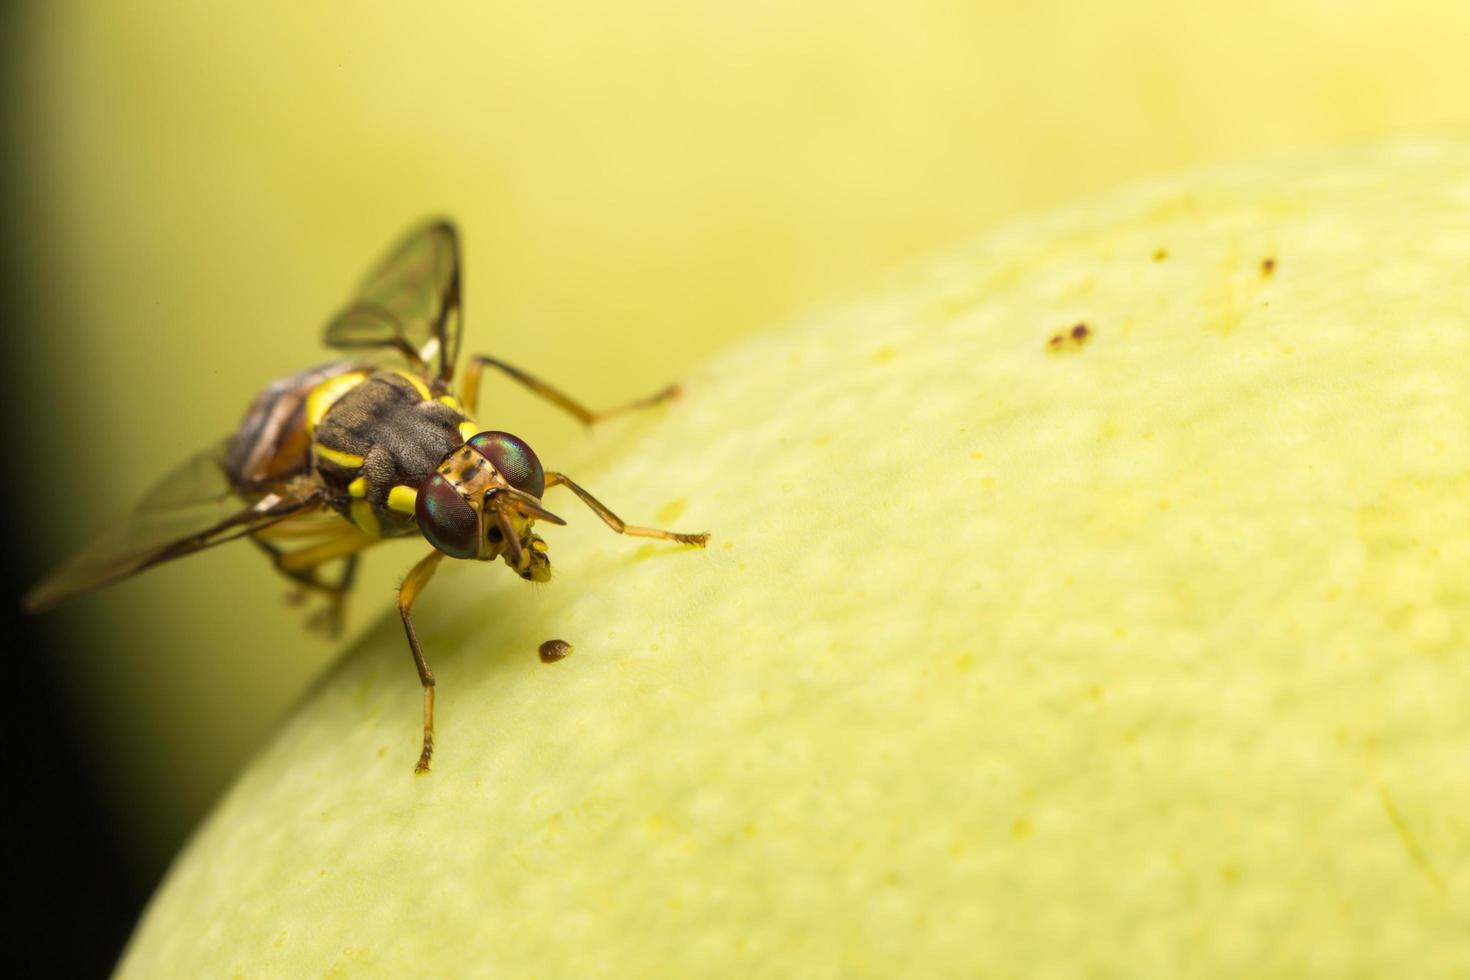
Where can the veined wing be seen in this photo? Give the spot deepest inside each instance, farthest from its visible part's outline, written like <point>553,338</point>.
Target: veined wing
<point>410,303</point>
<point>193,508</point>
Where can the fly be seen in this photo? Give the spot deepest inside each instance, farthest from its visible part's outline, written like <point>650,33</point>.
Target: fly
<point>331,460</point>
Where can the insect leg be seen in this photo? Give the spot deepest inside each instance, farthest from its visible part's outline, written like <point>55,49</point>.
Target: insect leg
<point>413,584</point>
<point>330,619</point>
<point>615,522</point>
<point>347,542</point>
<point>477,364</point>
<point>303,567</point>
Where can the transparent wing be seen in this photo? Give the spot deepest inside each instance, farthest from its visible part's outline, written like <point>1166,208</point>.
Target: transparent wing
<point>193,508</point>
<point>410,303</point>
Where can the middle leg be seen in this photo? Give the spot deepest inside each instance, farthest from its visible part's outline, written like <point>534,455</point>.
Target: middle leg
<point>304,568</point>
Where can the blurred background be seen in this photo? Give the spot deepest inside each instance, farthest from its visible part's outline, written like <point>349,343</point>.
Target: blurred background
<point>190,191</point>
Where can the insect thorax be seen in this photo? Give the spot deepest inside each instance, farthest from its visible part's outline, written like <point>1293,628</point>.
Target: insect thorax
<point>375,440</point>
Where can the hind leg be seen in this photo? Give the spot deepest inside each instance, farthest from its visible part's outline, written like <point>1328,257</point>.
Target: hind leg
<point>471,391</point>
<point>305,568</point>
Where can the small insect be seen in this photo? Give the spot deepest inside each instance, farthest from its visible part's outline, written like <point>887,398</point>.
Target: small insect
<point>335,458</point>
<point>553,650</point>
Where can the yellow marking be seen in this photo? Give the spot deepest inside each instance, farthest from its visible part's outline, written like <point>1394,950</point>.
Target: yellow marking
<point>468,430</point>
<point>349,460</point>
<point>671,511</point>
<point>358,487</point>
<point>365,519</point>
<point>1411,845</point>
<point>325,395</point>
<point>403,499</point>
<point>452,402</point>
<point>417,382</point>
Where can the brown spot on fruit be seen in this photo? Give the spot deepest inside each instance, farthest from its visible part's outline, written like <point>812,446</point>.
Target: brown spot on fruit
<point>1070,340</point>
<point>553,650</point>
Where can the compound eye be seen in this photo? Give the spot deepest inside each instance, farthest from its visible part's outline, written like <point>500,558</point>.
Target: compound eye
<point>447,521</point>
<point>513,459</point>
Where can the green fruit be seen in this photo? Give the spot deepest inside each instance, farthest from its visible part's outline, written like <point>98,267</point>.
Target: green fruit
<point>1094,601</point>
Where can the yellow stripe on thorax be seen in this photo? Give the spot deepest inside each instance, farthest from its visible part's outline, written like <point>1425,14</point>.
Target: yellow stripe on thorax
<point>325,395</point>
<point>350,461</point>
<point>417,382</point>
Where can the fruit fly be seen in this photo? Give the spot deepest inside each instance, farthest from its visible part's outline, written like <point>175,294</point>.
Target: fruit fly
<point>333,459</point>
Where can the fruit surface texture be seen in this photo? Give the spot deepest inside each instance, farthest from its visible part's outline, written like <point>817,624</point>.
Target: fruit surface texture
<point>1093,600</point>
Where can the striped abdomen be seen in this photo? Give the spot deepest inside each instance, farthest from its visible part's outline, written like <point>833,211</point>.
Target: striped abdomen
<point>273,441</point>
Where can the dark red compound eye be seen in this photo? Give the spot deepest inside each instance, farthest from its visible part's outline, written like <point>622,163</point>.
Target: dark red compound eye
<point>449,523</point>
<point>513,459</point>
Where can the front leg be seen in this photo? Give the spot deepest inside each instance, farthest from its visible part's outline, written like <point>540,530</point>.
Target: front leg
<point>617,523</point>
<point>413,584</point>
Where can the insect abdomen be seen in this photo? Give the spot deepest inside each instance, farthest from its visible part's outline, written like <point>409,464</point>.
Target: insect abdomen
<point>274,438</point>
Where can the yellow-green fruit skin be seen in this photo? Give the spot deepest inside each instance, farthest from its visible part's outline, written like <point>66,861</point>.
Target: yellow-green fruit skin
<point>1136,651</point>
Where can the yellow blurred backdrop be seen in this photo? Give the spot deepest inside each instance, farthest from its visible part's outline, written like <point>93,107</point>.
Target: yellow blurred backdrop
<point>637,185</point>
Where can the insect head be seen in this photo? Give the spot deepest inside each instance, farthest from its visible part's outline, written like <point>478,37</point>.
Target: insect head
<point>481,502</point>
